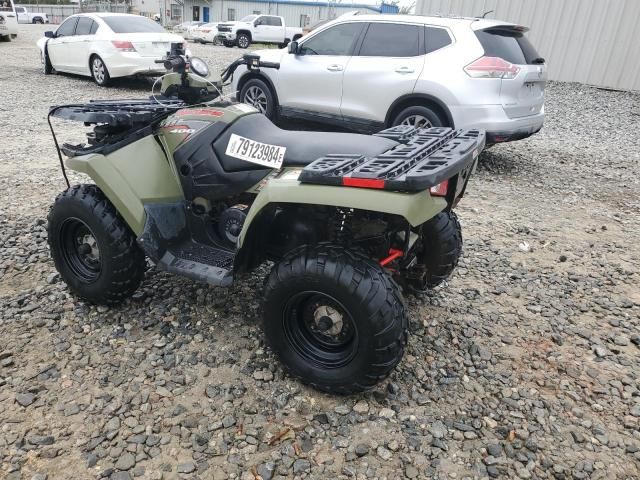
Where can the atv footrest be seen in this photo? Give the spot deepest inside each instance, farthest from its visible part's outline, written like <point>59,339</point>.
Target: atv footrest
<point>423,158</point>
<point>199,262</point>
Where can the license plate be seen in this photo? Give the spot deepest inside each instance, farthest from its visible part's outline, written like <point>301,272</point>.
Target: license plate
<point>255,152</point>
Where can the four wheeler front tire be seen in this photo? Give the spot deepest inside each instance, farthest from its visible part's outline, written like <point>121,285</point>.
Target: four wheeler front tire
<point>258,94</point>
<point>335,318</point>
<point>418,116</point>
<point>99,71</point>
<point>243,40</point>
<point>92,247</point>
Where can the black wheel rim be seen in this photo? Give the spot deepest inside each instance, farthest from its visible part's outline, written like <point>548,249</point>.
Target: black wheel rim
<point>80,250</point>
<point>320,329</point>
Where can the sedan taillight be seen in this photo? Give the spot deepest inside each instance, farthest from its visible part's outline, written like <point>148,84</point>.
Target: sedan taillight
<point>491,67</point>
<point>123,45</point>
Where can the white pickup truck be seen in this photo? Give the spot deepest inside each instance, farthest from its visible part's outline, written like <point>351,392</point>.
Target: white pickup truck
<point>8,22</point>
<point>25,16</point>
<point>257,29</point>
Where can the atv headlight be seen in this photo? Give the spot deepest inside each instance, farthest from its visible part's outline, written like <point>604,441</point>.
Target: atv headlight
<point>199,67</point>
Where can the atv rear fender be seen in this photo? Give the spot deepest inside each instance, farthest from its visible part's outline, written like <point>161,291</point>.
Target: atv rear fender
<point>416,208</point>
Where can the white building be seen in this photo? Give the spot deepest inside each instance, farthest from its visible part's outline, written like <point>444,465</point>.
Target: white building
<point>295,13</point>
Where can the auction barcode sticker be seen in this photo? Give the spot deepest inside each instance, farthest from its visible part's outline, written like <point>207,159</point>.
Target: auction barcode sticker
<point>255,152</point>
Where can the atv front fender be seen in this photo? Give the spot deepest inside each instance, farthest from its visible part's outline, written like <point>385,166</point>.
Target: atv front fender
<point>131,177</point>
<point>416,208</point>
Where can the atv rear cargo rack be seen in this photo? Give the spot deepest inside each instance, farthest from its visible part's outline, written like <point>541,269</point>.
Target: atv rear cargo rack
<point>422,159</point>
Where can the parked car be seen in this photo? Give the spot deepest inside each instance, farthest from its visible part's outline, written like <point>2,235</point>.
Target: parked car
<point>206,33</point>
<point>257,29</point>
<point>25,16</point>
<point>190,29</point>
<point>8,22</point>
<point>106,45</point>
<point>370,72</point>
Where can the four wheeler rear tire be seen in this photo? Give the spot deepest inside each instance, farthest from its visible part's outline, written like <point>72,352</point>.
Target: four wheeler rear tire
<point>243,40</point>
<point>258,94</point>
<point>335,318</point>
<point>418,116</point>
<point>441,249</point>
<point>92,247</point>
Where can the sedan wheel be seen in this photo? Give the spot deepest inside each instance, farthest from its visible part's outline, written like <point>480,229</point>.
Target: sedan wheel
<point>99,71</point>
<point>255,97</point>
<point>417,121</point>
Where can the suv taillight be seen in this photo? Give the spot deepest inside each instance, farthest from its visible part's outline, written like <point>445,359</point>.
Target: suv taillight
<point>123,45</point>
<point>491,67</point>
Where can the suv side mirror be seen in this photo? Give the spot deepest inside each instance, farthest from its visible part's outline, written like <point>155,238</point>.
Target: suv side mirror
<point>49,34</point>
<point>294,47</point>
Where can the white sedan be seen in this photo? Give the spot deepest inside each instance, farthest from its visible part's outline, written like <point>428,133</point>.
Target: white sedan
<point>206,33</point>
<point>106,45</point>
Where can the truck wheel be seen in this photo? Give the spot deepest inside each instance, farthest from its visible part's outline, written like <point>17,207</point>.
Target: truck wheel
<point>440,250</point>
<point>227,43</point>
<point>335,318</point>
<point>243,40</point>
<point>92,247</point>
<point>418,116</point>
<point>47,68</point>
<point>258,94</point>
<point>99,71</point>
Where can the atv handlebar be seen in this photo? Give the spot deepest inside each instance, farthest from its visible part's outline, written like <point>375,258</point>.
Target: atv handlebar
<point>251,60</point>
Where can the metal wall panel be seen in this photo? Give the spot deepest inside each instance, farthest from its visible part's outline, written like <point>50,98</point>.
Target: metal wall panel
<point>596,42</point>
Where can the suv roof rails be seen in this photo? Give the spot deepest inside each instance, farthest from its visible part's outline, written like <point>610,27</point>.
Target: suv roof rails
<point>453,16</point>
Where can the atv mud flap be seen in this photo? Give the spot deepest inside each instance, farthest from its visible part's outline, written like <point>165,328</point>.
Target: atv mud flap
<point>168,242</point>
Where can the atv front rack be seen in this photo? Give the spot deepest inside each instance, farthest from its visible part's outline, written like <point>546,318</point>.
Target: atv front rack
<point>422,159</point>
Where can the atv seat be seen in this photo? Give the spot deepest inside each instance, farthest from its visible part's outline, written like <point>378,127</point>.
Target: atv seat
<point>302,148</point>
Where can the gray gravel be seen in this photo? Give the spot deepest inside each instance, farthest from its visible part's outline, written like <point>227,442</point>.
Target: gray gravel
<point>524,366</point>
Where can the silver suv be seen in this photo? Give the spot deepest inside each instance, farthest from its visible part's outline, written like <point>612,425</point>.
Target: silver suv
<point>368,72</point>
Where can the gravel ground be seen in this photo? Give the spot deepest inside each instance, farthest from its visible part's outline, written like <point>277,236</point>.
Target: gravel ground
<point>525,365</point>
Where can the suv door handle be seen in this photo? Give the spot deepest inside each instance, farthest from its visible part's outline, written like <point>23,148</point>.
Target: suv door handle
<point>404,70</point>
<point>334,68</point>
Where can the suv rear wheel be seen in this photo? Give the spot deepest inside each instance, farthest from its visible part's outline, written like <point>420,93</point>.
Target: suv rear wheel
<point>419,117</point>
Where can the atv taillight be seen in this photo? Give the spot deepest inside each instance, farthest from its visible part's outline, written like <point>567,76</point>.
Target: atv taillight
<point>362,182</point>
<point>440,190</point>
<point>491,67</point>
<point>123,45</point>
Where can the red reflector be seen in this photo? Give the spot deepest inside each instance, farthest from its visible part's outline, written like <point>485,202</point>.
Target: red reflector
<point>440,190</point>
<point>393,254</point>
<point>362,182</point>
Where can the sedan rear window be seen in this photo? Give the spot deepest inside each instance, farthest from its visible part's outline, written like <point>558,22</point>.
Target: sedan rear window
<point>509,44</point>
<point>133,24</point>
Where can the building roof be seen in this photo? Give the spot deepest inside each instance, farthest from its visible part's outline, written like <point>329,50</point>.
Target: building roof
<point>384,7</point>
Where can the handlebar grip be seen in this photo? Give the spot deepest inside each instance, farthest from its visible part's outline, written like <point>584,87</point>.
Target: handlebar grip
<point>270,65</point>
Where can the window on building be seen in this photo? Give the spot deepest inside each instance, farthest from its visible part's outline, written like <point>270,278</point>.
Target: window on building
<point>337,40</point>
<point>196,14</point>
<point>391,40</point>
<point>257,12</point>
<point>176,12</point>
<point>231,14</point>
<point>304,20</point>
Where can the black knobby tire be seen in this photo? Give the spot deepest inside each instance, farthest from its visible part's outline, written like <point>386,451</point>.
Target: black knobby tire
<point>243,40</point>
<point>431,117</point>
<point>119,269</point>
<point>269,108</point>
<point>371,310</point>
<point>441,247</point>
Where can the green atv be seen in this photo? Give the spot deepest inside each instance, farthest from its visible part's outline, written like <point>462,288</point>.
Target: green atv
<point>209,189</point>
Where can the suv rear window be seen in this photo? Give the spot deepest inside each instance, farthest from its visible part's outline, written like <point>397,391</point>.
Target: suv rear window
<point>508,44</point>
<point>436,38</point>
<point>391,40</point>
<point>132,24</point>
